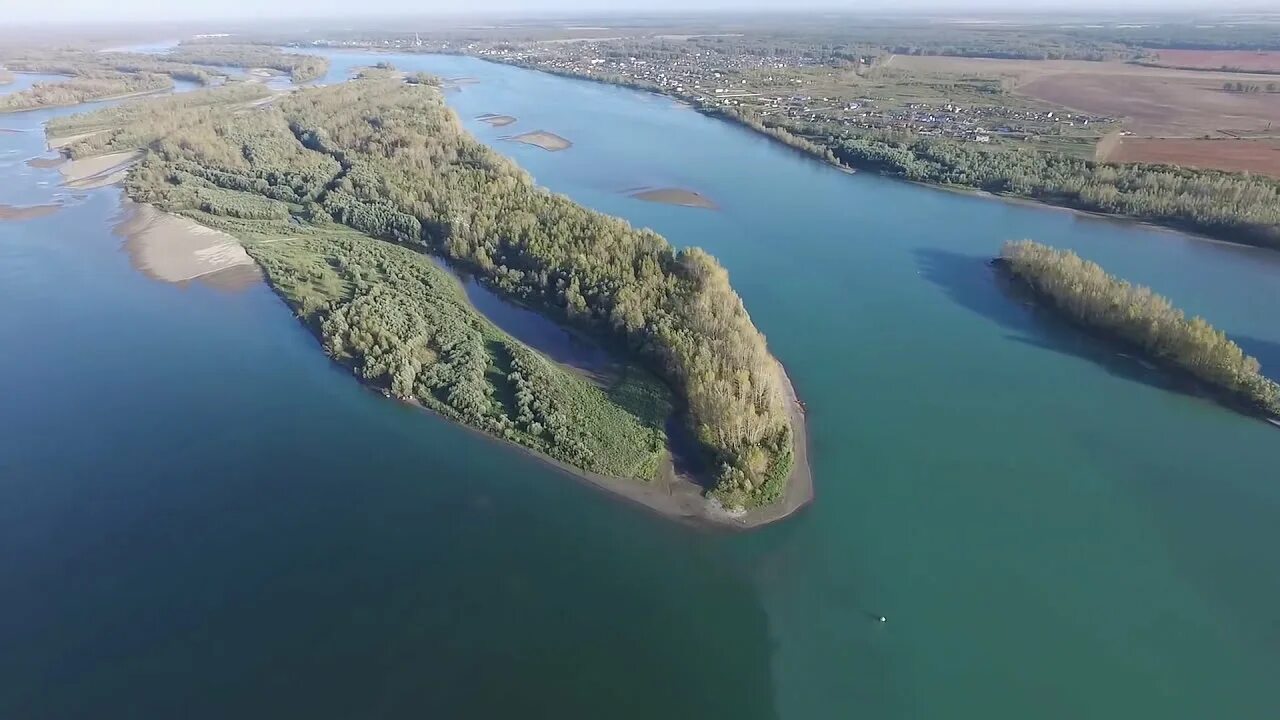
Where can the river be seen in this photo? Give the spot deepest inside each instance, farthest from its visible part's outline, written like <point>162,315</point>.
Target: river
<point>201,516</point>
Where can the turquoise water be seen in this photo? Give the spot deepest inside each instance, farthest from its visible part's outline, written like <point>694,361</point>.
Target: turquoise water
<point>200,516</point>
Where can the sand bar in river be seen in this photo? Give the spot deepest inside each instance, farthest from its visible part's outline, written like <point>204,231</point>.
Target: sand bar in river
<point>496,120</point>
<point>30,212</point>
<point>674,196</point>
<point>177,249</point>
<point>543,139</point>
<point>96,172</point>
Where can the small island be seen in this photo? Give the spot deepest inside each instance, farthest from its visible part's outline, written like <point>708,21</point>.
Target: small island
<point>1134,315</point>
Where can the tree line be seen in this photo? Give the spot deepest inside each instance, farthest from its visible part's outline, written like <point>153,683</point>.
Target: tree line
<point>1086,294</point>
<point>300,68</point>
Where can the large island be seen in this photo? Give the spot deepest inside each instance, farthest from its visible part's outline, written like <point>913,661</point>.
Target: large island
<point>340,193</point>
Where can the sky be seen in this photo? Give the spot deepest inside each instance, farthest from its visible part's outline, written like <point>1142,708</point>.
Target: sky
<point>94,11</point>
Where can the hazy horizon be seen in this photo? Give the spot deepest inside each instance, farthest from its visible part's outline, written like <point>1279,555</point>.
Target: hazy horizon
<point>94,11</point>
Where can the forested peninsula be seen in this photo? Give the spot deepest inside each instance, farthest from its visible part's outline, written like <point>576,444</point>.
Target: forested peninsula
<point>85,88</point>
<point>339,192</point>
<point>1132,314</point>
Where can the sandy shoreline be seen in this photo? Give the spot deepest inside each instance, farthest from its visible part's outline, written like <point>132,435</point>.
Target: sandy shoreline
<point>543,139</point>
<point>176,249</point>
<point>98,171</point>
<point>29,212</point>
<point>675,497</point>
<point>674,196</point>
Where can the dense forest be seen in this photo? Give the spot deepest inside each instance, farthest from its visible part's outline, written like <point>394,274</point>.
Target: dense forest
<point>1086,294</point>
<point>388,159</point>
<point>83,89</point>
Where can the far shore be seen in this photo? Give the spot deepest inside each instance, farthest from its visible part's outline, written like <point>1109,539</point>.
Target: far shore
<point>543,139</point>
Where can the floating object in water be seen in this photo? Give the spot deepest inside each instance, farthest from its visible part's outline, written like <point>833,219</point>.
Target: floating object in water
<point>883,618</point>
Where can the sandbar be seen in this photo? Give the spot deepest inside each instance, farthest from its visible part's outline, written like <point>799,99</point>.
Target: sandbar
<point>45,163</point>
<point>29,212</point>
<point>98,171</point>
<point>496,120</point>
<point>176,249</point>
<point>543,139</point>
<point>674,196</point>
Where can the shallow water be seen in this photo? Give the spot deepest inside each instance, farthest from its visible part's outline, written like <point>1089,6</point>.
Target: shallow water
<point>194,498</point>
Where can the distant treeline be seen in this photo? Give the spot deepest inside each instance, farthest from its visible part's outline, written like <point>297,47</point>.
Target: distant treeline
<point>82,89</point>
<point>390,160</point>
<point>1197,35</point>
<point>1086,294</point>
<point>80,63</point>
<point>300,68</point>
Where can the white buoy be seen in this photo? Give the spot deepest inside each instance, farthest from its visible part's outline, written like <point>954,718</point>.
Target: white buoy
<point>882,618</point>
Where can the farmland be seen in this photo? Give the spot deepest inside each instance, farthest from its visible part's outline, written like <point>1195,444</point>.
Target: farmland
<point>1233,60</point>
<point>1261,157</point>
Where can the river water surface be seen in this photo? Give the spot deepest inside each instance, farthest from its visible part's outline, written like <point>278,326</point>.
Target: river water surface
<point>201,516</point>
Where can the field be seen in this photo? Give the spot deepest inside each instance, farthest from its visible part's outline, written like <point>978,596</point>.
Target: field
<point>1183,116</point>
<point>1245,60</point>
<point>1261,157</point>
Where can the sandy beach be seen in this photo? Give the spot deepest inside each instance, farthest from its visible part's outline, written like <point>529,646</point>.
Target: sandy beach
<point>175,249</point>
<point>674,196</point>
<point>30,212</point>
<point>543,139</point>
<point>96,172</point>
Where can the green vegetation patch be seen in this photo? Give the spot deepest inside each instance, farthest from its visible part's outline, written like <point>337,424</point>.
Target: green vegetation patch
<point>1085,293</point>
<point>402,323</point>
